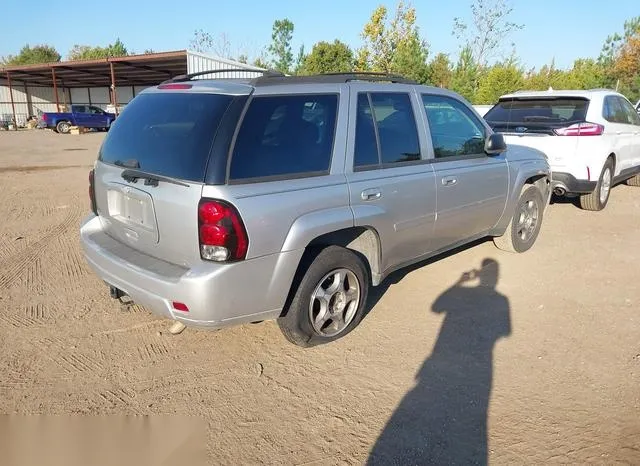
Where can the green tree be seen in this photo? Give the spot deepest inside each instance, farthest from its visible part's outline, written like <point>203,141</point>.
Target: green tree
<point>547,77</point>
<point>439,71</point>
<point>280,48</point>
<point>261,62</point>
<point>627,68</point>
<point>586,73</point>
<point>394,46</point>
<point>86,52</point>
<point>489,29</point>
<point>466,75</point>
<point>613,48</point>
<point>325,57</point>
<point>300,58</point>
<point>32,56</point>
<point>614,43</point>
<point>500,79</point>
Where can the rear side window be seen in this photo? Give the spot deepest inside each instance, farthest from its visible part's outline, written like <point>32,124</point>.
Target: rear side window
<point>537,115</point>
<point>613,111</point>
<point>455,130</point>
<point>386,131</point>
<point>631,114</point>
<point>285,136</point>
<point>166,134</point>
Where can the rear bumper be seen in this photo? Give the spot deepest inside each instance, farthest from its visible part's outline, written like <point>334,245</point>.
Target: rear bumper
<point>571,184</point>
<point>217,295</point>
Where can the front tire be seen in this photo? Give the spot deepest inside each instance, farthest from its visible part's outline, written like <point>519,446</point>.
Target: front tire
<point>524,227</point>
<point>330,299</point>
<point>63,127</point>
<point>598,199</point>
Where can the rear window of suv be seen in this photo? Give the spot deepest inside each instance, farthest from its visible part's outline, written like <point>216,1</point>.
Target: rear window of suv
<point>167,134</point>
<point>285,137</point>
<point>533,115</point>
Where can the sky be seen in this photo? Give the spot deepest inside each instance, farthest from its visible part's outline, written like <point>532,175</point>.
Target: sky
<point>560,30</point>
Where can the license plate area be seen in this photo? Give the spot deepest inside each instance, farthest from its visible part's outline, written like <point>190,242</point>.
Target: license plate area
<point>134,210</point>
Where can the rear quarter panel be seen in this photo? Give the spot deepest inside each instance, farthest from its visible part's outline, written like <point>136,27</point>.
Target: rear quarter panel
<point>524,163</point>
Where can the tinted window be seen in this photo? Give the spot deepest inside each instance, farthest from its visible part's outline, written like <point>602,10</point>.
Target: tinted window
<point>396,126</point>
<point>613,110</point>
<point>366,148</point>
<point>79,109</point>
<point>631,114</point>
<point>166,133</point>
<point>455,130</point>
<point>285,135</point>
<point>536,115</point>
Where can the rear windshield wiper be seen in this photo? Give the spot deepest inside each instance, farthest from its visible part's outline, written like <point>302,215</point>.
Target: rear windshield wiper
<point>131,163</point>
<point>132,175</point>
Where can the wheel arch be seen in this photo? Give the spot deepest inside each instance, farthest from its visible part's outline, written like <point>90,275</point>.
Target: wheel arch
<point>614,159</point>
<point>532,172</point>
<point>364,241</point>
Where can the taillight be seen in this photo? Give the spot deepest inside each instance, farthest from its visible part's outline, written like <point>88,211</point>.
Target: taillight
<point>44,117</point>
<point>92,192</point>
<point>580,129</point>
<point>222,233</point>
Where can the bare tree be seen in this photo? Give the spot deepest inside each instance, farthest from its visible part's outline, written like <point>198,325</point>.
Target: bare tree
<point>489,29</point>
<point>205,42</point>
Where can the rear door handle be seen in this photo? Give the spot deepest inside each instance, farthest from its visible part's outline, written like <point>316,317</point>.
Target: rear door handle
<point>371,194</point>
<point>449,181</point>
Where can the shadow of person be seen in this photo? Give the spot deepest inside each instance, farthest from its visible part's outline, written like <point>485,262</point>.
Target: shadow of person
<point>443,420</point>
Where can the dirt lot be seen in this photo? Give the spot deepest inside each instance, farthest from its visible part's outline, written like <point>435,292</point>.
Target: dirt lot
<point>545,367</point>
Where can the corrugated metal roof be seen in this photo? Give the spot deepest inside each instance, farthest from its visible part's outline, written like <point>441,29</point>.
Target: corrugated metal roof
<point>132,70</point>
<point>197,62</point>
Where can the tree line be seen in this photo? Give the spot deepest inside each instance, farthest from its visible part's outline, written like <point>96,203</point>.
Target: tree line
<point>29,55</point>
<point>486,67</point>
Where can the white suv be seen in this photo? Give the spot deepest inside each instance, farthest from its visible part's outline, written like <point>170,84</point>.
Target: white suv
<point>591,138</point>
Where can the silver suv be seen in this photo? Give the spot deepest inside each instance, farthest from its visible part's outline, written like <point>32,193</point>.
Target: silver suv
<point>218,202</point>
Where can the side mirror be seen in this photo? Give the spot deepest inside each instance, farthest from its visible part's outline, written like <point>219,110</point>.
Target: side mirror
<point>495,144</point>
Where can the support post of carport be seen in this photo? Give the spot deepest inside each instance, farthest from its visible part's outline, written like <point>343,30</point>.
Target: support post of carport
<point>114,95</point>
<point>55,88</point>
<point>64,97</point>
<point>13,105</point>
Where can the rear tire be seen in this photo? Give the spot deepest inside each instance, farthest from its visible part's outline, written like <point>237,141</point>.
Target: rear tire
<point>598,199</point>
<point>330,299</point>
<point>635,181</point>
<point>63,127</point>
<point>524,227</point>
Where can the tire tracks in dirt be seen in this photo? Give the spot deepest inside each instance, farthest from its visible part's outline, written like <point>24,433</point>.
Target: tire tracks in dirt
<point>20,262</point>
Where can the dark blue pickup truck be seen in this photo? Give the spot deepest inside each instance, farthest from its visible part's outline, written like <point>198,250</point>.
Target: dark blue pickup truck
<point>86,116</point>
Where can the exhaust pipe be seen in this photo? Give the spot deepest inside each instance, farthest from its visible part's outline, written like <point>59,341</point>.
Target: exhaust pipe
<point>115,293</point>
<point>559,191</point>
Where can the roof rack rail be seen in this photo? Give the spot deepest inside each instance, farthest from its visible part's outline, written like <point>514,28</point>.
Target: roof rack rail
<point>371,76</point>
<point>189,77</point>
<point>331,78</point>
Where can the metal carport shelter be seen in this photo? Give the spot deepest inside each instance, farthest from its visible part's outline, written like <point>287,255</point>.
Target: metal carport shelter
<point>126,75</point>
